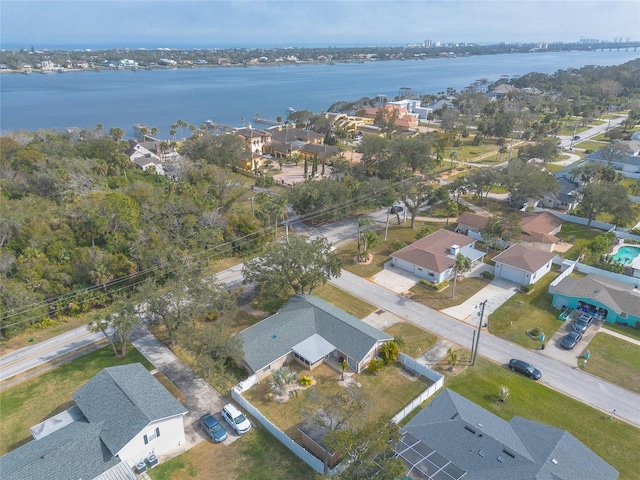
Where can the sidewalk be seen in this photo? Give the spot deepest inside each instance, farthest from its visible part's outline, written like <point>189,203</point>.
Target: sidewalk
<point>619,335</point>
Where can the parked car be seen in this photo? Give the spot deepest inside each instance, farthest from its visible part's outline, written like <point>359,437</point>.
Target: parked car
<point>524,368</point>
<point>236,419</point>
<point>571,340</point>
<point>583,323</point>
<point>213,428</point>
<point>396,209</point>
<point>576,137</point>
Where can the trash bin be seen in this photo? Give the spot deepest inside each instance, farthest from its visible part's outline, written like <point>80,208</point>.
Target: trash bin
<point>542,346</point>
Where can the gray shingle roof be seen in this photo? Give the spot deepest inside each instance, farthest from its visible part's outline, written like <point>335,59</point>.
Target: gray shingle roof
<point>490,448</point>
<point>126,398</point>
<point>73,452</point>
<point>297,320</point>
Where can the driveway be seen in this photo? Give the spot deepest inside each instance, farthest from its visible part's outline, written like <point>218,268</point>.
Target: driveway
<point>554,350</point>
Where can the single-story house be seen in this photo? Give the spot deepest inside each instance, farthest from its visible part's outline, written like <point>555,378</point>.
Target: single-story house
<point>433,257</point>
<point>523,264</point>
<point>567,198</point>
<point>627,161</point>
<point>121,417</point>
<point>309,330</point>
<point>539,230</point>
<point>606,299</point>
<point>471,222</point>
<point>453,438</point>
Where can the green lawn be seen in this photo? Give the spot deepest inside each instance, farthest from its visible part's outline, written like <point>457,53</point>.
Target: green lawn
<point>257,455</point>
<point>345,301</point>
<point>614,440</point>
<point>416,340</point>
<point>465,288</point>
<point>624,329</point>
<point>526,311</point>
<point>49,393</point>
<point>615,360</point>
<point>578,235</point>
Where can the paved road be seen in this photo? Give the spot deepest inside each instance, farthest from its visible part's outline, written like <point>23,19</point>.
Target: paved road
<point>569,380</point>
<point>567,142</point>
<point>26,358</point>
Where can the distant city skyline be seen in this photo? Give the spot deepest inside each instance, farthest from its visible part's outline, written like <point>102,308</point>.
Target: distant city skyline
<point>101,24</point>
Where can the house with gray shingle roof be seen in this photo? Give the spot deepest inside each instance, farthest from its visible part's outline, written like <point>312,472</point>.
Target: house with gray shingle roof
<point>309,330</point>
<point>453,438</point>
<point>523,264</point>
<point>605,298</point>
<point>122,416</point>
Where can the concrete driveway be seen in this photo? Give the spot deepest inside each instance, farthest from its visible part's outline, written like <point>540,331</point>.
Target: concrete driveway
<point>395,279</point>
<point>554,350</point>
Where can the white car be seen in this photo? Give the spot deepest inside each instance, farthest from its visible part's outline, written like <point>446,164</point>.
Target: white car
<point>234,417</point>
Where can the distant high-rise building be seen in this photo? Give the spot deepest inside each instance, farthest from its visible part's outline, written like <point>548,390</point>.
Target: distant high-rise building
<point>428,43</point>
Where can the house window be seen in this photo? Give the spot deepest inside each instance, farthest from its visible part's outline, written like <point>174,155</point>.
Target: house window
<point>151,435</point>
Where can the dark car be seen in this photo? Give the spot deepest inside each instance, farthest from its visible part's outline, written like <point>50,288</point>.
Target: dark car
<point>571,340</point>
<point>583,323</point>
<point>576,137</point>
<point>524,368</point>
<point>213,428</point>
<point>396,209</point>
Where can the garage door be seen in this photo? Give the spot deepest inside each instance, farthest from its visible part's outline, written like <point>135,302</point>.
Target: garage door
<point>513,274</point>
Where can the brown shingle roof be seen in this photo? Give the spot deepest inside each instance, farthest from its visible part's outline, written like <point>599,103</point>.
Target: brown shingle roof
<point>524,257</point>
<point>473,220</point>
<point>537,227</point>
<point>431,252</point>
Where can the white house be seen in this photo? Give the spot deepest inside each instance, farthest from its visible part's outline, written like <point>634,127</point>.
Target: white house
<point>123,416</point>
<point>433,257</point>
<point>523,264</point>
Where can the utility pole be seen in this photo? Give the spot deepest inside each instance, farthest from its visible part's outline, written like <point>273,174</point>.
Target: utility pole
<point>386,228</point>
<point>253,211</point>
<point>474,350</point>
<point>455,278</point>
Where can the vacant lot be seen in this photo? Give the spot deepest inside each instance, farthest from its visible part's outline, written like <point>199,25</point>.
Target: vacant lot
<point>615,360</point>
<point>613,440</point>
<point>523,312</point>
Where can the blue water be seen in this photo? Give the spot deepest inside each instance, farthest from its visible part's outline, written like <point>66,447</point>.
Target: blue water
<point>158,98</point>
<point>625,255</point>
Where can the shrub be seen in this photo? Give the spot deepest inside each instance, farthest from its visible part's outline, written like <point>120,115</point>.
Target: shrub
<point>526,288</point>
<point>433,286</point>
<point>265,181</point>
<point>535,332</point>
<point>389,352</point>
<point>488,275</point>
<point>376,365</point>
<point>305,381</point>
<point>397,245</point>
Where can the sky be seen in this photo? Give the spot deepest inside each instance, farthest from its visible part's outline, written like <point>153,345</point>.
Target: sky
<point>276,23</point>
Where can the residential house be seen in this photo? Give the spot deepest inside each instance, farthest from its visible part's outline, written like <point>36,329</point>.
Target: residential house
<point>629,162</point>
<point>454,438</point>
<point>121,417</point>
<point>399,116</point>
<point>567,198</point>
<point>604,298</point>
<point>471,222</point>
<point>310,331</point>
<point>433,257</point>
<point>539,230</point>
<point>523,264</point>
<point>256,141</point>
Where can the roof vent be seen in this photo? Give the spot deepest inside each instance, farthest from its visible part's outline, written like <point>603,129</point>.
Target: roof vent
<point>453,416</point>
<point>480,425</point>
<point>554,461</point>
<point>511,454</point>
<point>500,458</point>
<point>467,427</point>
<point>481,453</point>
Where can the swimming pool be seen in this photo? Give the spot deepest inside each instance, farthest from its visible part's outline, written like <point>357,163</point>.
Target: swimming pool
<point>625,255</point>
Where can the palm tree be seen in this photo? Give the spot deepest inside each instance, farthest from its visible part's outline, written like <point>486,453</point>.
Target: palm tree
<point>452,157</point>
<point>155,131</point>
<point>366,238</point>
<point>452,210</point>
<point>102,325</point>
<point>343,366</point>
<point>461,265</point>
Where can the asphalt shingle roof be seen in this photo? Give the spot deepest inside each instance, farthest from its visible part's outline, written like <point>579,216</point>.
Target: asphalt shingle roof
<point>126,399</point>
<point>301,317</point>
<point>525,258</point>
<point>490,448</point>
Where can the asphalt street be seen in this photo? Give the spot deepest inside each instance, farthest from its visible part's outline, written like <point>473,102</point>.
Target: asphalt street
<point>572,381</point>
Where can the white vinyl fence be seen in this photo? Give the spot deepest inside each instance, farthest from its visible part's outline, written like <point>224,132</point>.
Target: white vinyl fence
<point>437,379</point>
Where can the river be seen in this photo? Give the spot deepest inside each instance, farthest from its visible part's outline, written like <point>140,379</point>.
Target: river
<point>226,95</point>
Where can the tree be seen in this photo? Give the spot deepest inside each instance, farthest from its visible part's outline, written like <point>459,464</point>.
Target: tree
<point>524,181</point>
<point>461,265</point>
<point>366,238</point>
<point>452,210</point>
<point>117,324</point>
<point>416,191</point>
<point>492,231</point>
<point>300,265</point>
<point>368,451</point>
<point>511,228</point>
<point>606,197</point>
<point>389,352</point>
<point>614,152</point>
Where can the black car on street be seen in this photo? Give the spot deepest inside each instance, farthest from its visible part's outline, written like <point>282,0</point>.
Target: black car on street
<point>525,368</point>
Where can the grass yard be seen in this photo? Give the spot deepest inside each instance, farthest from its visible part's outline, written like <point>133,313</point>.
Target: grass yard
<point>345,301</point>
<point>578,235</point>
<point>592,144</point>
<point>465,288</point>
<point>255,456</point>
<point>624,330</point>
<point>48,394</point>
<point>615,360</point>
<point>614,440</point>
<point>389,392</point>
<point>526,311</point>
<point>416,340</point>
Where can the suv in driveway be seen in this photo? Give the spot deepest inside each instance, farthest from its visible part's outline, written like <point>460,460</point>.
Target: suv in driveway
<point>583,323</point>
<point>236,419</point>
<point>524,368</point>
<point>213,428</point>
